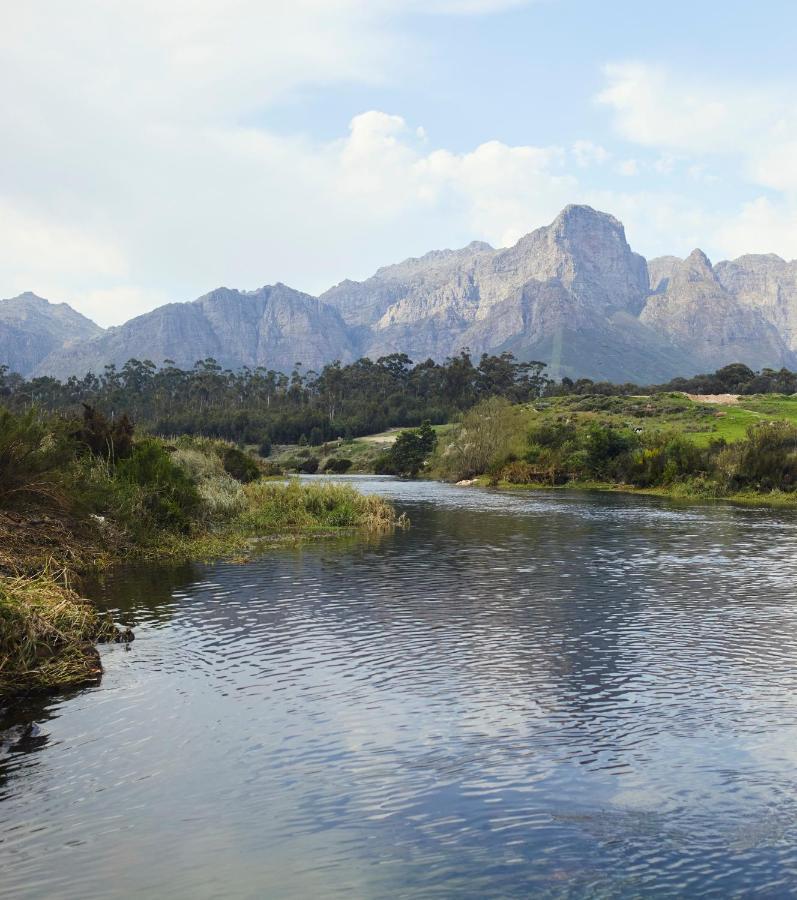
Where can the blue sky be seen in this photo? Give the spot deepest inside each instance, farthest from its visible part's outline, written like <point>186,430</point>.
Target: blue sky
<point>154,151</point>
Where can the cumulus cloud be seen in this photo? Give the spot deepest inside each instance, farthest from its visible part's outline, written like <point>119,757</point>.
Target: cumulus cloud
<point>752,129</point>
<point>137,163</point>
<point>588,153</point>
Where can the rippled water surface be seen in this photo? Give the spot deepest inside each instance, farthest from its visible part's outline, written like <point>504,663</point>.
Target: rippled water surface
<point>523,695</point>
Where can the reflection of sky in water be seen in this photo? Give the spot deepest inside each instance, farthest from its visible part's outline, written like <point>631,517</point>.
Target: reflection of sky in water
<point>525,693</point>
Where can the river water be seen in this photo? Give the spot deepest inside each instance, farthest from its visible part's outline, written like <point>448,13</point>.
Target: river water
<point>548,695</point>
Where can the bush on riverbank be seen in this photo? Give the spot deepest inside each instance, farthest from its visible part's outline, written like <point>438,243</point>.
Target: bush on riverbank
<point>273,507</point>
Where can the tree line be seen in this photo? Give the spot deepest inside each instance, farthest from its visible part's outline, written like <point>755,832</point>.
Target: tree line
<point>261,405</point>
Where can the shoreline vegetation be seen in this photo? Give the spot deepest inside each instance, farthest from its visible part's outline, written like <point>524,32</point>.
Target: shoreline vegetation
<point>80,495</point>
<point>742,451</point>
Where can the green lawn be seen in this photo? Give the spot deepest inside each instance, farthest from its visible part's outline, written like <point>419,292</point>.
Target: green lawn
<point>700,422</point>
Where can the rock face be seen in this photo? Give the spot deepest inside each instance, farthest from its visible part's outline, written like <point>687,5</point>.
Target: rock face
<point>275,327</point>
<point>767,284</point>
<point>31,328</point>
<point>693,308</point>
<point>572,294</point>
<point>569,293</point>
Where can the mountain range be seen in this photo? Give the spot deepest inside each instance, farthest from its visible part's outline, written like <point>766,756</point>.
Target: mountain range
<point>572,294</point>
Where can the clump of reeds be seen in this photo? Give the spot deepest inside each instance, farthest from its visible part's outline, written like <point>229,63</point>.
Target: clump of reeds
<point>301,506</point>
<point>47,635</point>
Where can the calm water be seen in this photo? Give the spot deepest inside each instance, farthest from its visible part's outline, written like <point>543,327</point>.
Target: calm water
<point>523,695</point>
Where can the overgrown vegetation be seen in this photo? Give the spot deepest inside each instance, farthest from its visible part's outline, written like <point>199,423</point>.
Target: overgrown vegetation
<point>594,442</point>
<point>47,635</point>
<point>77,493</point>
<point>408,454</point>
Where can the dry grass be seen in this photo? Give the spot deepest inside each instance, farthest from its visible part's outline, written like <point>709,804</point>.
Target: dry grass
<point>295,506</point>
<point>47,635</point>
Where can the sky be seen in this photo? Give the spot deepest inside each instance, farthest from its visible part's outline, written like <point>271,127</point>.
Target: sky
<point>151,152</point>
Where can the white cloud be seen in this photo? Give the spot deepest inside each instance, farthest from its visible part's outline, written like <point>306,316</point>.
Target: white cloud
<point>587,153</point>
<point>628,167</point>
<point>131,170</point>
<point>761,227</point>
<point>35,249</point>
<point>751,129</point>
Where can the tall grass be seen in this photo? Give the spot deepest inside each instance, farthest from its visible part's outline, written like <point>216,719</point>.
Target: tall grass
<point>295,506</point>
<point>47,635</point>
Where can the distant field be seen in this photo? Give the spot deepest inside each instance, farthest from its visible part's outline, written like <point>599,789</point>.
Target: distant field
<point>700,422</point>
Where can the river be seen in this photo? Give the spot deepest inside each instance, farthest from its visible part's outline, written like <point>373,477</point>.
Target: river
<point>525,694</point>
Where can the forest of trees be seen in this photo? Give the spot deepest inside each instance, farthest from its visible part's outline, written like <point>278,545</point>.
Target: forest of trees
<point>261,406</point>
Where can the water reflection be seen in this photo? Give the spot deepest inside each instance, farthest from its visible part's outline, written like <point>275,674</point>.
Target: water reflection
<point>524,694</point>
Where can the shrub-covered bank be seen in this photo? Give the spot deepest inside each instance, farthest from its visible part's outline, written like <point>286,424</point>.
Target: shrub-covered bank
<point>76,495</point>
<point>517,445</point>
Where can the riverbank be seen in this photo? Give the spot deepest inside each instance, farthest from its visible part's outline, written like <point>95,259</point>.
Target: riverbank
<point>68,509</point>
<point>522,447</point>
<point>48,633</point>
<point>678,492</point>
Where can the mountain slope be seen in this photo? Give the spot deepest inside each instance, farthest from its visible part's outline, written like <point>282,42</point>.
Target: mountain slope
<point>568,293</point>
<point>31,328</point>
<point>273,327</point>
<point>691,307</point>
<point>768,284</point>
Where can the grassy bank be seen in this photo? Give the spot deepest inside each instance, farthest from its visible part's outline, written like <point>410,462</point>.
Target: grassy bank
<point>667,445</point>
<point>48,636</point>
<point>360,455</point>
<point>81,495</point>
<point>684,492</point>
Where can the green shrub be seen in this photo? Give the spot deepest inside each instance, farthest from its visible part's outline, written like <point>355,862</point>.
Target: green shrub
<point>240,465</point>
<point>767,459</point>
<point>337,465</point>
<point>152,492</point>
<point>34,463</point>
<point>666,458</point>
<point>109,440</point>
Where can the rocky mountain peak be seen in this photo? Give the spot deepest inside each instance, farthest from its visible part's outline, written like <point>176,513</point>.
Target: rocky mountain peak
<point>698,266</point>
<point>32,327</point>
<point>575,218</point>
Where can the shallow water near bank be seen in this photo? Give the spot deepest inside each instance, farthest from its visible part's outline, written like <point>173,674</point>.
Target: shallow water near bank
<point>524,694</point>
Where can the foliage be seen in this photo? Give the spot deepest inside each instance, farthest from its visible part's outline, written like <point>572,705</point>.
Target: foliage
<point>337,465</point>
<point>34,463</point>
<point>110,440</point>
<point>279,507</point>
<point>152,492</point>
<point>262,406</point>
<point>487,435</point>
<point>240,465</point>
<point>409,452</point>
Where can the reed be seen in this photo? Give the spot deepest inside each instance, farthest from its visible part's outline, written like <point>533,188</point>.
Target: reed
<point>47,635</point>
